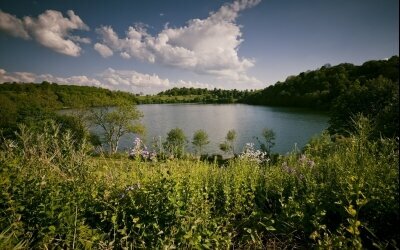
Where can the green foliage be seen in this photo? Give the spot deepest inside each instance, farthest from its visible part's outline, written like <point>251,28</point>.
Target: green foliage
<point>200,139</point>
<point>175,142</point>
<point>229,144</point>
<point>8,112</point>
<point>115,122</point>
<point>335,194</point>
<point>53,96</point>
<point>197,95</point>
<point>269,140</point>
<point>28,102</point>
<point>75,125</point>
<point>377,99</point>
<point>231,135</point>
<point>345,90</point>
<point>320,88</point>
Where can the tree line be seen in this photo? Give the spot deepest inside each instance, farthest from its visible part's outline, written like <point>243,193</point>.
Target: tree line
<point>29,102</point>
<point>196,95</point>
<point>345,90</point>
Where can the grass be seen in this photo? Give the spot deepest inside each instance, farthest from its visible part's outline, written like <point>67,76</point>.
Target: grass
<point>335,194</point>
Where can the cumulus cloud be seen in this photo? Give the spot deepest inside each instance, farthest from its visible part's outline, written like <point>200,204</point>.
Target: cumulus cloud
<point>191,84</point>
<point>205,46</point>
<point>132,78</point>
<point>103,50</point>
<point>80,39</point>
<point>75,80</point>
<point>32,77</point>
<point>50,29</point>
<point>12,25</point>
<point>127,80</point>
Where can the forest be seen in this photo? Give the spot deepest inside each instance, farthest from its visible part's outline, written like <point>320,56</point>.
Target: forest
<point>344,90</point>
<point>320,88</point>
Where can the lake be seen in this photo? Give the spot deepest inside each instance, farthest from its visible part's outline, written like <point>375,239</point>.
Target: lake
<point>291,126</point>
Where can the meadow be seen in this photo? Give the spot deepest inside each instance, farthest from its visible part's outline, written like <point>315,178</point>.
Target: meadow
<point>335,193</point>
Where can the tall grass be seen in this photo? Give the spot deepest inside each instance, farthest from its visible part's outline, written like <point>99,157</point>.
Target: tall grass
<point>335,194</point>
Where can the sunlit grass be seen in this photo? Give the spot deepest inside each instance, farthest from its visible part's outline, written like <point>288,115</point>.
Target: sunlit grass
<point>341,194</point>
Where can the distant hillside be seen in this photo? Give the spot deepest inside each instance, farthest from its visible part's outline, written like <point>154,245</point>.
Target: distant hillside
<point>29,102</point>
<point>346,90</point>
<point>199,95</point>
<point>54,96</point>
<point>320,88</point>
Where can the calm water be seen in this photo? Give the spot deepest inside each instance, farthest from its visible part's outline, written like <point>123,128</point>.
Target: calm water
<point>291,126</point>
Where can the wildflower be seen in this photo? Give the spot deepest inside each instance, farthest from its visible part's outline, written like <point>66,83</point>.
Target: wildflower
<point>249,153</point>
<point>145,154</point>
<point>306,161</point>
<point>140,150</point>
<point>153,156</point>
<point>12,144</point>
<point>287,168</point>
<point>130,188</point>
<point>303,158</point>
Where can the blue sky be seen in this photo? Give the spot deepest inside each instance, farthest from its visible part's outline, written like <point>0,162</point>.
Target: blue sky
<point>149,46</point>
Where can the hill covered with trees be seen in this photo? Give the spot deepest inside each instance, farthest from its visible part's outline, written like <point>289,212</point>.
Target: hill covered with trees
<point>320,88</point>
<point>371,89</point>
<point>30,102</point>
<point>197,95</point>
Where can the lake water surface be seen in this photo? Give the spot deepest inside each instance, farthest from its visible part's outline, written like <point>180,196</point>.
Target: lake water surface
<point>291,126</point>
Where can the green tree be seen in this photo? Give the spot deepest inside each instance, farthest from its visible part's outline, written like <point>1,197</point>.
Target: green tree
<point>8,114</point>
<point>269,139</point>
<point>200,139</point>
<point>376,99</point>
<point>116,121</point>
<point>73,124</point>
<point>228,144</point>
<point>176,142</point>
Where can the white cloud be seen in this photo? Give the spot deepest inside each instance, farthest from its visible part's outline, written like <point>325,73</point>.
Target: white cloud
<point>125,55</point>
<point>190,84</point>
<point>75,80</point>
<point>12,25</point>
<point>50,29</point>
<point>80,39</point>
<point>32,77</point>
<point>205,46</point>
<point>25,76</point>
<point>5,77</point>
<point>103,50</point>
<point>132,78</point>
<point>126,80</point>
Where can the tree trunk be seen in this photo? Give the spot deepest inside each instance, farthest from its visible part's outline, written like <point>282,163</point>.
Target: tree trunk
<point>115,146</point>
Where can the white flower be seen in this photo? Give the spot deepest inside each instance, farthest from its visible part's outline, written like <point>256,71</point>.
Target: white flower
<point>251,154</point>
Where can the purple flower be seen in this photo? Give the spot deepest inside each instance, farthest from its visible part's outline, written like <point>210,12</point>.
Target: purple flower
<point>304,160</point>
<point>139,149</point>
<point>287,168</point>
